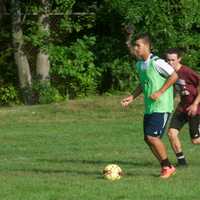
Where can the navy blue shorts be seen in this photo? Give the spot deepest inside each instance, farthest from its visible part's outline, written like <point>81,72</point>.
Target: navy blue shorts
<point>155,124</point>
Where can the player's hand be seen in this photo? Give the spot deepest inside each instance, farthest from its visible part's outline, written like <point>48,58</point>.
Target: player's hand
<point>126,101</point>
<point>156,95</point>
<point>192,109</point>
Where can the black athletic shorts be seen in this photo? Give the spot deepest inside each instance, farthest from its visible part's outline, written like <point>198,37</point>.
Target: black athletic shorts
<point>179,119</point>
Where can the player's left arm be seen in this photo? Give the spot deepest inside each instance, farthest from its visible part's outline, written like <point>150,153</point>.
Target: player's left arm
<point>192,109</point>
<point>169,73</point>
<point>169,82</point>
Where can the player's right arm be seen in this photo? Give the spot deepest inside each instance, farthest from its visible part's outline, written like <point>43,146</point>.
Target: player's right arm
<point>192,109</point>
<point>126,101</point>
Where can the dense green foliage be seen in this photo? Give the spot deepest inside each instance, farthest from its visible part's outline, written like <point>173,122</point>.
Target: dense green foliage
<point>86,42</point>
<point>170,24</point>
<point>113,59</point>
<point>74,66</point>
<point>8,95</point>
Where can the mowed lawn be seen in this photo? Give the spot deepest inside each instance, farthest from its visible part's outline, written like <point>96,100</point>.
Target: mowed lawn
<point>58,152</point>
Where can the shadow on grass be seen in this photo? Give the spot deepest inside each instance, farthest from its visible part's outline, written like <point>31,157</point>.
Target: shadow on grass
<point>98,162</point>
<point>59,171</point>
<point>135,169</point>
<point>96,174</point>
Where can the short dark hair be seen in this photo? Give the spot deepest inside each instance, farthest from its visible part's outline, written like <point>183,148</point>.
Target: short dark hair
<point>145,37</point>
<point>176,51</point>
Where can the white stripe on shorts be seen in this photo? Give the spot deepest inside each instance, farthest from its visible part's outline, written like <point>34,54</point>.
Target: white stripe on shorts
<point>165,119</point>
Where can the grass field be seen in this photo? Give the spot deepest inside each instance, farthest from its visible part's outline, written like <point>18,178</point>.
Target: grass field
<point>58,152</point>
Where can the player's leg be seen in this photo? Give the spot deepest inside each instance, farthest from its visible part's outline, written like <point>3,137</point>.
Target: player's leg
<point>196,140</point>
<point>194,126</point>
<point>174,140</point>
<point>158,148</point>
<point>147,125</point>
<point>154,125</point>
<point>152,149</point>
<point>177,122</point>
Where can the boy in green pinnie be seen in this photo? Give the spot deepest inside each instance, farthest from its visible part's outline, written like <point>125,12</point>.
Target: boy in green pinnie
<point>156,80</point>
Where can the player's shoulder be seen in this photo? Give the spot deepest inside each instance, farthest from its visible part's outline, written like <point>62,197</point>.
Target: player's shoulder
<point>154,57</point>
<point>157,59</point>
<point>139,63</point>
<point>162,66</point>
<point>160,62</point>
<point>188,70</point>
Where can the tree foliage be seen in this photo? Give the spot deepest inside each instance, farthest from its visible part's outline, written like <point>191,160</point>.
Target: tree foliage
<point>170,23</point>
<point>86,42</point>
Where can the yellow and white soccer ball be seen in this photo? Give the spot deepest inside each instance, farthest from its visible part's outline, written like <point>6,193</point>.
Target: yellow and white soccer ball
<point>112,172</point>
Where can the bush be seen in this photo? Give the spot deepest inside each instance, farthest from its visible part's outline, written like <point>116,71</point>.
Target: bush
<point>8,95</point>
<point>115,65</point>
<point>74,68</point>
<point>44,93</point>
<point>117,75</point>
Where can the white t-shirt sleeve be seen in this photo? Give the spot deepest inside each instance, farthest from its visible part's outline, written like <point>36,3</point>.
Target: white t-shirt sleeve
<point>164,68</point>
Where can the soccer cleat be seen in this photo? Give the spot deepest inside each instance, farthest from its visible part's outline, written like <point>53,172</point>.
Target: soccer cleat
<point>166,172</point>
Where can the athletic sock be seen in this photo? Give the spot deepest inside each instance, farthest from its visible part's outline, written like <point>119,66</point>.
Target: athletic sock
<point>181,158</point>
<point>165,163</point>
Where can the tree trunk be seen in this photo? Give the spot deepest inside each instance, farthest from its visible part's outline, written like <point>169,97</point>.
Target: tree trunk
<point>2,9</point>
<point>19,55</point>
<point>42,62</point>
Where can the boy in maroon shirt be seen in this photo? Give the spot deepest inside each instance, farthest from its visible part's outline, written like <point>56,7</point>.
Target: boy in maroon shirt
<point>188,109</point>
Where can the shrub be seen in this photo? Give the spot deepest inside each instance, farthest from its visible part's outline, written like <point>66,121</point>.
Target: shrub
<point>8,95</point>
<point>74,67</point>
<point>44,93</point>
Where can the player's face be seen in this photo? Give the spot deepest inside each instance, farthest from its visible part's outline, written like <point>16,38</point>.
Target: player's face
<point>140,48</point>
<point>173,60</point>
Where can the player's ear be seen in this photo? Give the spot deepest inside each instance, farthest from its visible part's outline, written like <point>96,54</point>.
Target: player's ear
<point>179,59</point>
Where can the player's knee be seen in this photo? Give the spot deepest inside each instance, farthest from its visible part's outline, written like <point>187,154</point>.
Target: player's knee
<point>172,134</point>
<point>149,139</point>
<point>196,141</point>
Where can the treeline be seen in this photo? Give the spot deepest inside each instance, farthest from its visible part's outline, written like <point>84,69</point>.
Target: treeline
<point>51,50</point>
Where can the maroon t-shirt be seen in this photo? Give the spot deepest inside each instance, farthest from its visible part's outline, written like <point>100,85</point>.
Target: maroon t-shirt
<point>187,86</point>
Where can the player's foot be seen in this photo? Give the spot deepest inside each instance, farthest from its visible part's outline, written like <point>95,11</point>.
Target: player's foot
<point>166,172</point>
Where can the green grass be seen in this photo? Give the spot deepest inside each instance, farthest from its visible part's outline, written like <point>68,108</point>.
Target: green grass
<point>58,152</point>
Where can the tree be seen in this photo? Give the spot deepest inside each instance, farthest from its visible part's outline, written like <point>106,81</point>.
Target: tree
<point>42,61</point>
<point>2,9</point>
<point>19,54</point>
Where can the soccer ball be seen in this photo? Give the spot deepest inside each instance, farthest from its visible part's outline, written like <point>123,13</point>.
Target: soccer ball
<point>112,172</point>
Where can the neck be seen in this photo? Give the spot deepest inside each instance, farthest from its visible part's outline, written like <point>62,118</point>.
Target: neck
<point>145,56</point>
<point>178,66</point>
